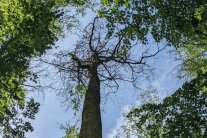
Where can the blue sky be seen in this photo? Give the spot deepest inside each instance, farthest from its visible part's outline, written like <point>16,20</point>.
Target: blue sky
<point>52,112</point>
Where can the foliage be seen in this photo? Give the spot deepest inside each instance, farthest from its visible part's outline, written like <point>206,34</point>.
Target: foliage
<point>22,23</point>
<point>77,95</point>
<point>183,114</point>
<point>193,53</point>
<point>12,126</point>
<point>72,132</point>
<point>170,20</point>
<point>194,60</point>
<point>27,29</point>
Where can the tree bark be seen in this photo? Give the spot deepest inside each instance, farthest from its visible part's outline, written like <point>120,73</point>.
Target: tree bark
<point>91,126</point>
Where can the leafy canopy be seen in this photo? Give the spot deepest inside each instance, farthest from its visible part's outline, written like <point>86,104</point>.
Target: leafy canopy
<point>27,29</point>
<point>183,114</point>
<point>175,21</point>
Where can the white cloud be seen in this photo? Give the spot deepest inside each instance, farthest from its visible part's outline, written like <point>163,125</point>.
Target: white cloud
<point>119,122</point>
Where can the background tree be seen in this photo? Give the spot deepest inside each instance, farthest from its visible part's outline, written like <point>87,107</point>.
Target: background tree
<point>183,114</point>
<point>22,24</point>
<point>27,30</point>
<point>99,58</point>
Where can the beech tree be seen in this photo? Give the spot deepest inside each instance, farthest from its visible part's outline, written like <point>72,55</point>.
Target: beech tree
<point>99,58</point>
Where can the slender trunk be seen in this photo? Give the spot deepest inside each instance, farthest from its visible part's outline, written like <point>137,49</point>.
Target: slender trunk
<point>91,126</point>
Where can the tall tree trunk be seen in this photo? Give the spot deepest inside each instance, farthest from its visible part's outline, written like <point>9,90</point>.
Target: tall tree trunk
<point>91,126</point>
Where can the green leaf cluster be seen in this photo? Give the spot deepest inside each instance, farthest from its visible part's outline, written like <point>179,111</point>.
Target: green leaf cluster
<point>27,29</point>
<point>12,126</point>
<point>72,132</point>
<point>11,94</point>
<point>77,95</point>
<point>177,22</point>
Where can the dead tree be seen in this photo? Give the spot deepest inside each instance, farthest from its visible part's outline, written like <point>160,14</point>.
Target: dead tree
<point>101,58</point>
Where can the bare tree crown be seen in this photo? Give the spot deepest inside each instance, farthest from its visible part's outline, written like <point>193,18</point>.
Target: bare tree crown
<point>109,55</point>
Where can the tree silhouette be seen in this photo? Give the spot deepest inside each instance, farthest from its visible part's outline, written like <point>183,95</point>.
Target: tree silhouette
<point>101,58</point>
